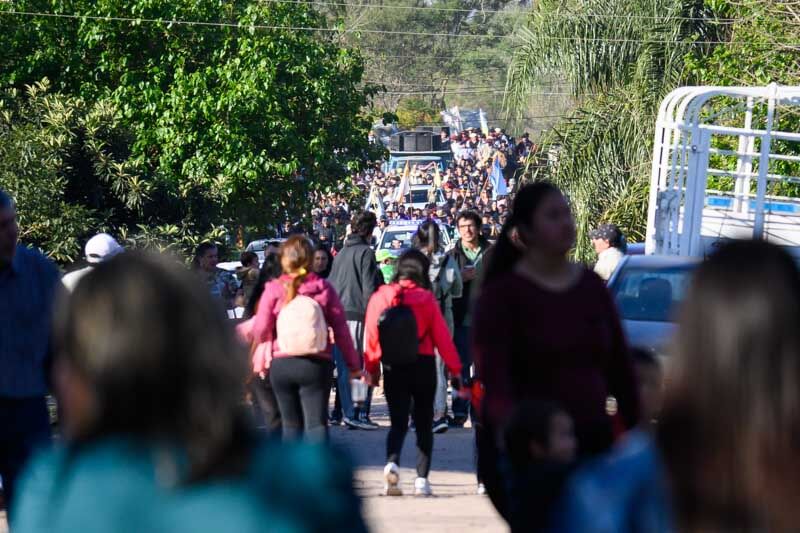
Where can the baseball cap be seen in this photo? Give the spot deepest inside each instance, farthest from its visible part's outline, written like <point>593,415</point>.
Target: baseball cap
<point>383,255</point>
<point>609,232</point>
<point>102,247</point>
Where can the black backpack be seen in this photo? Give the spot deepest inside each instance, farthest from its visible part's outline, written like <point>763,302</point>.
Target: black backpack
<point>397,335</point>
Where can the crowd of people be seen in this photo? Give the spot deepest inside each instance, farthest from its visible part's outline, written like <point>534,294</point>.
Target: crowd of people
<point>171,418</point>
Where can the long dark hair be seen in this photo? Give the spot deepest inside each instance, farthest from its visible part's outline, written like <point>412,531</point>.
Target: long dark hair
<point>325,248</point>
<point>413,265</point>
<point>427,239</point>
<point>505,253</point>
<point>271,269</point>
<point>730,430</point>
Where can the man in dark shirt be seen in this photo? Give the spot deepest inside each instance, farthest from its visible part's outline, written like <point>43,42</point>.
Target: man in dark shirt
<point>355,276</point>
<point>28,285</point>
<point>469,253</point>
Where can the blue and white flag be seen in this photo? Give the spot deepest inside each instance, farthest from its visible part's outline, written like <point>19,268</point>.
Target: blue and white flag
<point>499,187</point>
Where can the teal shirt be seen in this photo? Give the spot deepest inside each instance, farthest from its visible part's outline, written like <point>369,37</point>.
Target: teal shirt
<point>119,486</point>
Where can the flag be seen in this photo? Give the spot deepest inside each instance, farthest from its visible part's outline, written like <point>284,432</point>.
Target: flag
<point>403,190</point>
<point>484,123</point>
<point>499,187</point>
<point>375,202</point>
<point>437,178</point>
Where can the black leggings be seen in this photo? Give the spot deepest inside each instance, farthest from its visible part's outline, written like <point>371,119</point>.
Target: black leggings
<point>302,386</point>
<point>401,384</point>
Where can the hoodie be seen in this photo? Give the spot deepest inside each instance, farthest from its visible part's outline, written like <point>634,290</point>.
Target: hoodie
<point>431,326</point>
<point>273,300</point>
<point>445,277</point>
<point>355,276</point>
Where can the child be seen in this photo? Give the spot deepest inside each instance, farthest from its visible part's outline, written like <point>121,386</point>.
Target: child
<point>651,384</point>
<point>386,263</point>
<point>541,447</point>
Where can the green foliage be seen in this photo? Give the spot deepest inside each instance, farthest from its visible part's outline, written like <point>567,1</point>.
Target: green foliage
<point>414,111</point>
<point>219,126</point>
<point>620,58</point>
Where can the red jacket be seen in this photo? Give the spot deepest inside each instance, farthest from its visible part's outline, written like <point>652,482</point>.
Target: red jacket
<point>431,327</point>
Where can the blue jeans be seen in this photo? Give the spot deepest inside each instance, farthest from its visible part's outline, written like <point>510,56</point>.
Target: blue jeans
<point>345,402</point>
<point>461,408</point>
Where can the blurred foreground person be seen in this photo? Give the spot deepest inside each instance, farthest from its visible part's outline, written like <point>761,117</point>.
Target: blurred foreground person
<point>547,329</point>
<point>731,421</point>
<point>728,457</point>
<point>150,381</point>
<point>28,285</point>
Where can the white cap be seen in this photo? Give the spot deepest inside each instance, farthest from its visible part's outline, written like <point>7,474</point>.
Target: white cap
<point>102,247</point>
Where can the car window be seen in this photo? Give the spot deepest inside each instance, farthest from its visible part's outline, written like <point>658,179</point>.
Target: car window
<point>404,237</point>
<point>419,196</point>
<point>651,295</point>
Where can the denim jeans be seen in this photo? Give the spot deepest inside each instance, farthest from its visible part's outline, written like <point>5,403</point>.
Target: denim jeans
<point>345,402</point>
<point>461,408</point>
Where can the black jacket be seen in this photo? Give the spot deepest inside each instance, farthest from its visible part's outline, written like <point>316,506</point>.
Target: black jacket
<point>461,306</point>
<point>355,276</point>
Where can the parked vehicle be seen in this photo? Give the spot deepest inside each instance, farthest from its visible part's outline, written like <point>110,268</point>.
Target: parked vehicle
<point>397,236</point>
<point>648,290</point>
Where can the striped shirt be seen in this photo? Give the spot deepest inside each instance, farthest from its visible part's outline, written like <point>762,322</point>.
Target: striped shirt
<point>27,291</point>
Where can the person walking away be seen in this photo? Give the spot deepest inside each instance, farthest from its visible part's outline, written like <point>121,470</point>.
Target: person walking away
<point>446,284</point>
<point>408,376</point>
<point>29,283</point>
<point>547,329</point>
<point>355,276</point>
<point>469,253</point>
<point>265,404</point>
<point>248,275</point>
<point>295,312</point>
<point>99,248</point>
<point>222,285</point>
<point>150,382</point>
<point>609,243</point>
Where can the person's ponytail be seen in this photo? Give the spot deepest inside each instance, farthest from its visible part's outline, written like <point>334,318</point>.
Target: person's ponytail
<point>296,255</point>
<point>292,287</point>
<point>504,255</point>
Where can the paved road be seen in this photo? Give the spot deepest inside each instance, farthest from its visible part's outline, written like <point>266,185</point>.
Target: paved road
<point>456,506</point>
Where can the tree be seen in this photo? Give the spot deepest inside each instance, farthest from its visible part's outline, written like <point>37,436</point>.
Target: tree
<point>232,114</point>
<point>619,57</point>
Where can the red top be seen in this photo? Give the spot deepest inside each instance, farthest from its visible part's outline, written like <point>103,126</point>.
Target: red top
<point>431,326</point>
<point>313,286</point>
<point>561,346</point>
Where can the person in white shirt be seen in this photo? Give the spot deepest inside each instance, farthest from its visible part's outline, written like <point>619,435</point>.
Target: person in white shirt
<point>609,243</point>
<point>99,248</point>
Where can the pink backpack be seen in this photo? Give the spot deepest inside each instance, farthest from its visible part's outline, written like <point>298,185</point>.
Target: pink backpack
<point>301,327</point>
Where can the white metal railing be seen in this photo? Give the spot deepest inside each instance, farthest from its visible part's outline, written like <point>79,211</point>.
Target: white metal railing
<point>680,219</point>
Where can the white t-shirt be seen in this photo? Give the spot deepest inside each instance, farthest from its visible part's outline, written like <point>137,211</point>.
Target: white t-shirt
<point>71,279</point>
<point>607,263</point>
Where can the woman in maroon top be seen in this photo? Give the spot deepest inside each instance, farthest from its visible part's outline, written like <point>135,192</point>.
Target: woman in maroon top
<point>546,328</point>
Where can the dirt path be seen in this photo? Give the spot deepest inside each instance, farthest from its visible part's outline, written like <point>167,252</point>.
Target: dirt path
<point>456,506</point>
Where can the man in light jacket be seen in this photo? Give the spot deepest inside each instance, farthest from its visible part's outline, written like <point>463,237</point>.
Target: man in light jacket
<point>355,276</point>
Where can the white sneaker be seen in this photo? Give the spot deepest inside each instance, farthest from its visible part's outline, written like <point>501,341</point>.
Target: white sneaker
<point>481,489</point>
<point>422,487</point>
<point>391,475</point>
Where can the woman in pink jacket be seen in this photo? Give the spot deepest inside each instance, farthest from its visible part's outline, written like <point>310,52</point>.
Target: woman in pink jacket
<point>301,381</point>
<point>414,381</point>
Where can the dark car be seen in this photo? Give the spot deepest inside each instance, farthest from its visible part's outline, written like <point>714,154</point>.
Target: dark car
<point>648,290</point>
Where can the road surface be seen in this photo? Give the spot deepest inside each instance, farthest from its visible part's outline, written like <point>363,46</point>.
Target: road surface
<point>456,507</point>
